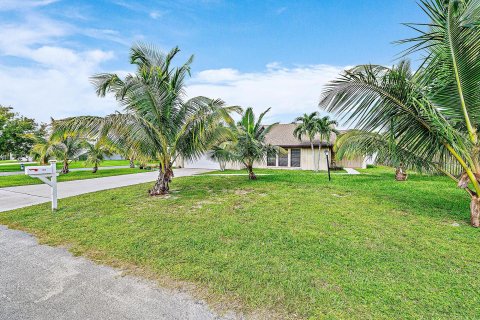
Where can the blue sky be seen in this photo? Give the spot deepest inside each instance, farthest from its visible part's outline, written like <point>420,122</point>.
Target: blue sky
<point>254,53</point>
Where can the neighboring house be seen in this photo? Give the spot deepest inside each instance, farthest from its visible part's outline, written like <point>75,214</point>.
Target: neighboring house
<point>298,153</point>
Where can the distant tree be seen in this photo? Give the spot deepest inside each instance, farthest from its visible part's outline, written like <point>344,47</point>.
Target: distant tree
<point>66,148</point>
<point>96,153</point>
<point>15,133</point>
<point>307,125</point>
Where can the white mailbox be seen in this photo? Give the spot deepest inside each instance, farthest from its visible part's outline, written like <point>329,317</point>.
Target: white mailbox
<point>38,170</point>
<point>43,173</point>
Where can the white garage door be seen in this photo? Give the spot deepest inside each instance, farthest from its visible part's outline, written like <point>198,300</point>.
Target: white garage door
<point>202,163</point>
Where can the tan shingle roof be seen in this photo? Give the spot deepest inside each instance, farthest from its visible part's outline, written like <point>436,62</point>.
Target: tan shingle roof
<point>282,135</point>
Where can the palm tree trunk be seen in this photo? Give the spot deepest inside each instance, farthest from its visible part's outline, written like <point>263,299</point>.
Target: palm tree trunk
<point>400,173</point>
<point>251,174</point>
<point>65,168</point>
<point>313,156</point>
<point>95,169</point>
<point>319,154</point>
<point>475,211</point>
<point>333,161</point>
<point>161,186</point>
<point>132,163</point>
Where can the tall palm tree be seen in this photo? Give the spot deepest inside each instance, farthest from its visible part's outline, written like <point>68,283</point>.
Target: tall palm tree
<point>325,127</point>
<point>96,153</point>
<point>157,121</point>
<point>437,109</point>
<point>307,125</point>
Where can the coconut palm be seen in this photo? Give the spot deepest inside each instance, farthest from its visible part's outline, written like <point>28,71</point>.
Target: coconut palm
<point>385,150</point>
<point>66,148</point>
<point>325,127</point>
<point>307,125</point>
<point>246,143</point>
<point>437,109</point>
<point>41,150</point>
<point>96,153</point>
<point>223,153</point>
<point>157,121</point>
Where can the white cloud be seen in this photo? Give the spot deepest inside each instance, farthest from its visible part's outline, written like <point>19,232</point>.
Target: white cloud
<point>288,91</point>
<point>55,79</point>
<point>156,14</point>
<point>23,4</point>
<point>43,93</point>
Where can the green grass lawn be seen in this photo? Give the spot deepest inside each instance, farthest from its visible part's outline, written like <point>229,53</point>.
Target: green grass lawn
<point>7,161</point>
<point>21,180</point>
<point>75,164</point>
<point>290,243</point>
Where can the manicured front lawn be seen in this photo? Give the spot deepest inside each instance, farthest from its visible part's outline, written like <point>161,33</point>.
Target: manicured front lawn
<point>21,180</point>
<point>358,247</point>
<point>75,164</point>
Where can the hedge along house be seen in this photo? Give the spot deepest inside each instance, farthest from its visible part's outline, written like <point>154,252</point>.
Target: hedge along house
<point>298,153</point>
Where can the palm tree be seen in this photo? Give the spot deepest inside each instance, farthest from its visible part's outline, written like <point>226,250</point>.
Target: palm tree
<point>96,153</point>
<point>382,146</point>
<point>307,126</point>
<point>325,128</point>
<point>437,109</point>
<point>66,148</point>
<point>41,148</point>
<point>246,143</point>
<point>157,122</point>
<point>223,153</point>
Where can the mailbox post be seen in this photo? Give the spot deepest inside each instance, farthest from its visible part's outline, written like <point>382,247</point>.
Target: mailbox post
<point>43,173</point>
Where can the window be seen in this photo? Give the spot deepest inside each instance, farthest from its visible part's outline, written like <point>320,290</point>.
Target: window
<point>271,159</point>
<point>295,158</point>
<point>283,159</point>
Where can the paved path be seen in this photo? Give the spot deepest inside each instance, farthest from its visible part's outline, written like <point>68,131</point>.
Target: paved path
<point>351,171</point>
<point>39,282</point>
<point>23,196</point>
<point>14,173</point>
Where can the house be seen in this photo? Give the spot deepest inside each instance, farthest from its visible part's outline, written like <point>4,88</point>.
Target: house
<point>298,153</point>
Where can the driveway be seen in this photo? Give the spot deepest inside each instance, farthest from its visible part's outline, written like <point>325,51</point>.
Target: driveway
<point>38,282</point>
<point>24,196</point>
<point>17,173</point>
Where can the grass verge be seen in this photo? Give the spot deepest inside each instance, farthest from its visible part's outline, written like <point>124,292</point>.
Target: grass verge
<point>73,165</point>
<point>22,180</point>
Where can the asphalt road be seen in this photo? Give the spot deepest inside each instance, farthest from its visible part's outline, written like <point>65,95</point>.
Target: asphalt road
<point>44,283</point>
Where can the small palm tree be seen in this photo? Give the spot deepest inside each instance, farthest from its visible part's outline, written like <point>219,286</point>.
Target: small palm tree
<point>96,153</point>
<point>436,109</point>
<point>382,146</point>
<point>307,125</point>
<point>246,143</point>
<point>325,127</point>
<point>157,122</point>
<point>41,150</point>
<point>67,148</point>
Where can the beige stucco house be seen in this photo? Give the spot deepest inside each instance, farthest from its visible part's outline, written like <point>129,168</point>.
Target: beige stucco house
<point>298,153</point>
